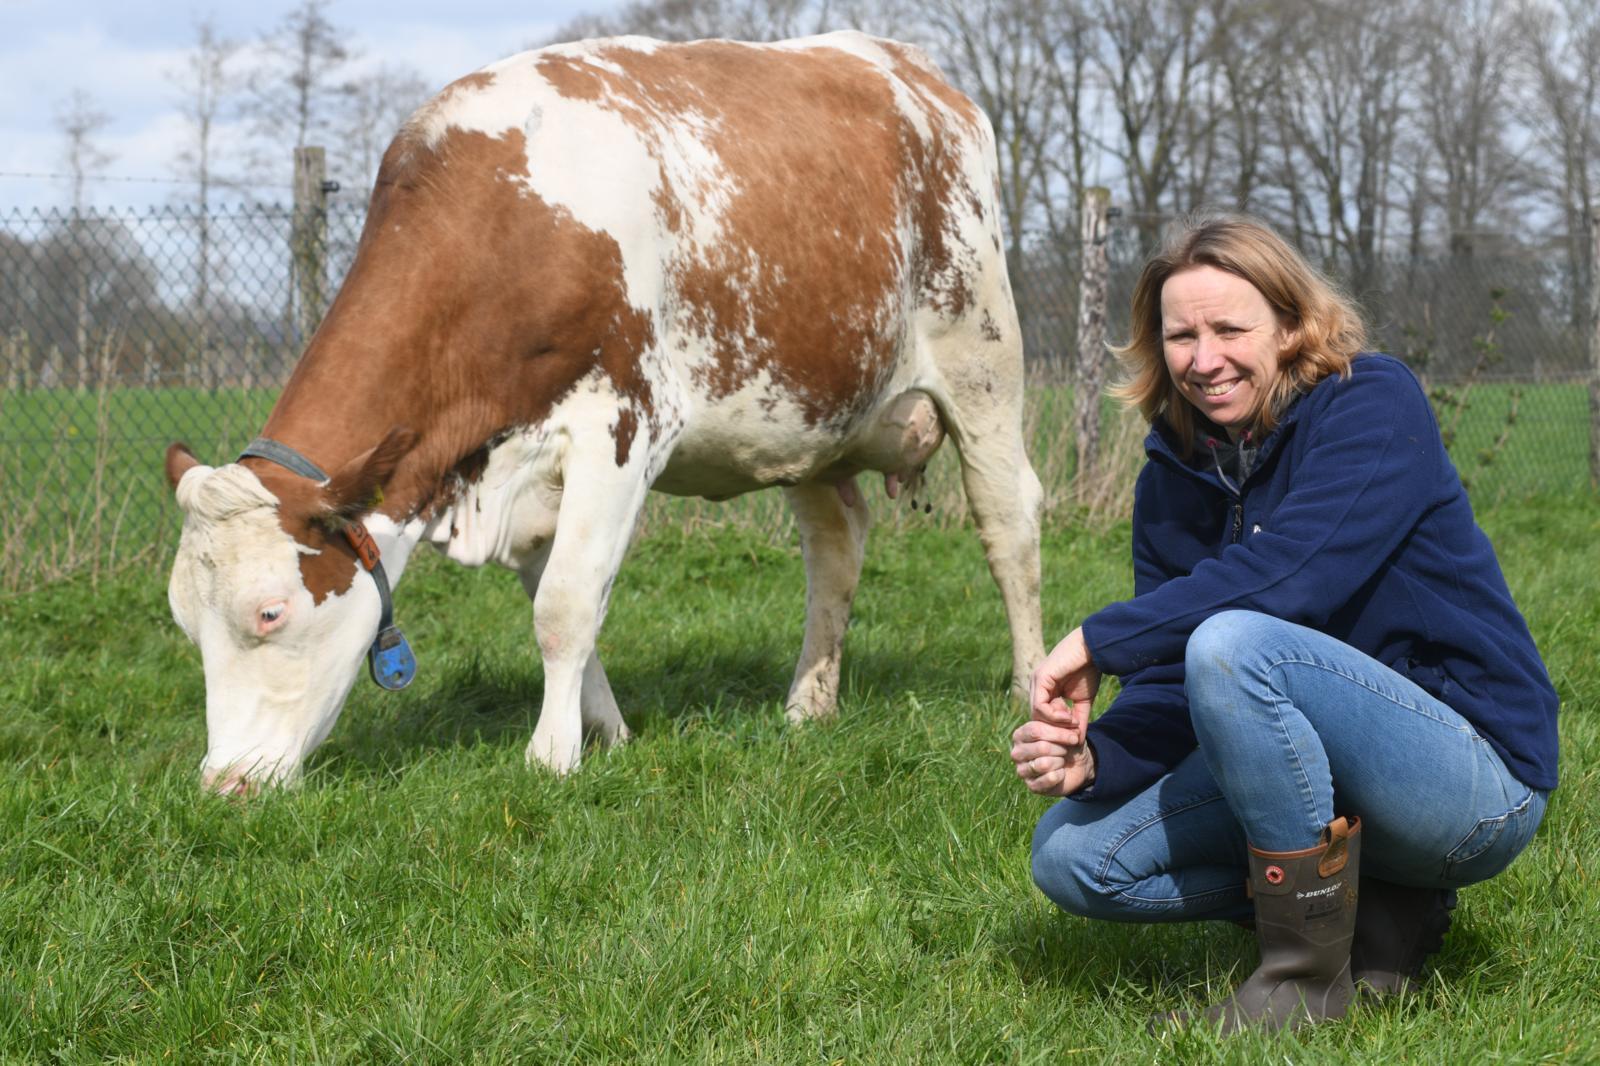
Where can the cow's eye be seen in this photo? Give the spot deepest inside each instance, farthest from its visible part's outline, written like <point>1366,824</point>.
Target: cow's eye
<point>270,616</point>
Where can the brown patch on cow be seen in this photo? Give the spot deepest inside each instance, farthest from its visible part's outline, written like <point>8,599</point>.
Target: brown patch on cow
<point>472,308</point>
<point>669,209</point>
<point>989,327</point>
<point>332,568</point>
<point>480,79</point>
<point>806,280</point>
<point>573,76</point>
<point>626,426</point>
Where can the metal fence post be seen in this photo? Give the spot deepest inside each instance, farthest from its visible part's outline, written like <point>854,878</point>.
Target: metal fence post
<point>1088,369</point>
<point>1594,351</point>
<point>309,240</point>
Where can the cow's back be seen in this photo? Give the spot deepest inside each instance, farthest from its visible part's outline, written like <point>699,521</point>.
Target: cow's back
<point>749,239</point>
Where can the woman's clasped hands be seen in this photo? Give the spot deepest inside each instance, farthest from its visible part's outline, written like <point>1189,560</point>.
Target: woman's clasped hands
<point>1050,750</point>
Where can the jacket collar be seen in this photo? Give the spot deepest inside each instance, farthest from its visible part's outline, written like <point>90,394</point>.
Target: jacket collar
<point>1161,445</point>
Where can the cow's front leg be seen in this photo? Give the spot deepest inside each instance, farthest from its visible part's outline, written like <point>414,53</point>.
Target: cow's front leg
<point>833,538</point>
<point>597,706</point>
<point>601,718</point>
<point>596,520</point>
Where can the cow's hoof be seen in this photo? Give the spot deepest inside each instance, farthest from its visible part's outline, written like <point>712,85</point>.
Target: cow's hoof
<point>799,713</point>
<point>559,759</point>
<point>610,735</point>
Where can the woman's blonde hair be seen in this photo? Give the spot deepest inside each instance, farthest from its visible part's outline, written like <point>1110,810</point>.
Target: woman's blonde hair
<point>1328,324</point>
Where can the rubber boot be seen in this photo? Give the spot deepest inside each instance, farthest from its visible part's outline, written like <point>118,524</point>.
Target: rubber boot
<point>1305,920</point>
<point>1397,928</point>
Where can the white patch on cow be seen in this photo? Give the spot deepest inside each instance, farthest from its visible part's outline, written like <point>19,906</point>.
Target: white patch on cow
<point>509,513</point>
<point>673,145</point>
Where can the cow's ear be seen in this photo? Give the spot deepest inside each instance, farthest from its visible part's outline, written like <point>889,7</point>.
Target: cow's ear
<point>358,486</point>
<point>180,460</point>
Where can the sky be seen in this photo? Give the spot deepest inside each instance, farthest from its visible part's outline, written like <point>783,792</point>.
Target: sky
<point>120,52</point>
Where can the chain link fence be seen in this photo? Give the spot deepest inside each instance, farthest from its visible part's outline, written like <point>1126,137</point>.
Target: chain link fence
<point>122,332</point>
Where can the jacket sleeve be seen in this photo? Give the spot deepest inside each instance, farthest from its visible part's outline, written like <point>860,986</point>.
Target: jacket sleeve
<point>1367,473</point>
<point>1146,730</point>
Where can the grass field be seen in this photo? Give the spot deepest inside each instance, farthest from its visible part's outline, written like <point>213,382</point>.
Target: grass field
<point>723,889</point>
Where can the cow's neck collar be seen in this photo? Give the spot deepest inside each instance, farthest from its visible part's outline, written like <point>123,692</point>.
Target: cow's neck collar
<point>389,660</point>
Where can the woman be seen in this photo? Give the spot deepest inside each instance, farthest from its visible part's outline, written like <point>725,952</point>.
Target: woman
<point>1327,692</point>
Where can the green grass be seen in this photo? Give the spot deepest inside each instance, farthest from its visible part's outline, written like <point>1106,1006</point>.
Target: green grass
<point>723,889</point>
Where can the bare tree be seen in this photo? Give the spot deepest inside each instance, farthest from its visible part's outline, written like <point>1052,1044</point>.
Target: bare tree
<point>376,104</point>
<point>1150,57</point>
<point>1561,43</point>
<point>1342,109</point>
<point>297,91</point>
<point>687,20</point>
<point>1245,64</point>
<point>1001,52</point>
<point>203,83</point>
<point>79,120</point>
<point>1465,99</point>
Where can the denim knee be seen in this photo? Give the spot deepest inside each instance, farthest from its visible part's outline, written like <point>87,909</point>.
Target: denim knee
<point>1066,864</point>
<point>1217,657</point>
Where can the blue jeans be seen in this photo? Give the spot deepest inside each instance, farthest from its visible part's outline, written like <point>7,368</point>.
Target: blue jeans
<point>1294,727</point>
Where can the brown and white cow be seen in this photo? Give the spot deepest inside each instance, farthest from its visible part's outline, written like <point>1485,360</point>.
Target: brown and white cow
<point>601,268</point>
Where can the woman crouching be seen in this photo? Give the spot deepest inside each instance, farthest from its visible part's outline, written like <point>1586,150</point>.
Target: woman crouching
<point>1328,695</point>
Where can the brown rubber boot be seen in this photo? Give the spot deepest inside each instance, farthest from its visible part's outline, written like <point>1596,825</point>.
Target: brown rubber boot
<point>1305,919</point>
<point>1397,928</point>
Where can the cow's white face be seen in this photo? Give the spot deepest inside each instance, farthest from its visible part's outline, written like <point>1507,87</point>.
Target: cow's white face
<point>278,665</point>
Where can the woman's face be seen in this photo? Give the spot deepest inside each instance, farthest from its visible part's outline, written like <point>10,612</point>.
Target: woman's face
<point>1222,343</point>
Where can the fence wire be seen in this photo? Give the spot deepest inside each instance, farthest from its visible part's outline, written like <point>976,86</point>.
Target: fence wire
<point>121,332</point>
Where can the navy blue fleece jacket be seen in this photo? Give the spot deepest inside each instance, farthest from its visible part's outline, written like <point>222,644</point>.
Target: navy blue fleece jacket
<point>1353,522</point>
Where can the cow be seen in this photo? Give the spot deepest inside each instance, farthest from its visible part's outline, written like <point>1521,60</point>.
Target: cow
<point>592,270</point>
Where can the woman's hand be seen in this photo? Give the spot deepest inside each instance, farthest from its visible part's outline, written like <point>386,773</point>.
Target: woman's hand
<point>1047,763</point>
<point>1050,751</point>
<point>1065,684</point>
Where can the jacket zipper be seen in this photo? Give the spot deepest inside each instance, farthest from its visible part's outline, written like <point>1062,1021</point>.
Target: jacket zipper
<point>1238,519</point>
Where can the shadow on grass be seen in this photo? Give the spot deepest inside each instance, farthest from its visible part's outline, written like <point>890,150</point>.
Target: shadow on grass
<point>1114,961</point>
<point>1111,960</point>
<point>495,701</point>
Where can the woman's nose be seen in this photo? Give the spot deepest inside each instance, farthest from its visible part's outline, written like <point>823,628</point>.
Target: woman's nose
<point>1207,354</point>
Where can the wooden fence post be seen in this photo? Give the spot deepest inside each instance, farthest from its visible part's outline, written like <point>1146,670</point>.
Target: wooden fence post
<point>308,240</point>
<point>1088,370</point>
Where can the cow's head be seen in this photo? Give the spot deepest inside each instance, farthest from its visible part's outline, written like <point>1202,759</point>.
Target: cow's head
<point>267,587</point>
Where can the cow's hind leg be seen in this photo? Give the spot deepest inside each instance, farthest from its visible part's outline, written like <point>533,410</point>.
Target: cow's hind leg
<point>981,401</point>
<point>593,528</point>
<point>833,538</point>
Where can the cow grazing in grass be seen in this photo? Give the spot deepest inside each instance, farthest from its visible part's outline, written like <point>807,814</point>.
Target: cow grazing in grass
<point>593,270</point>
